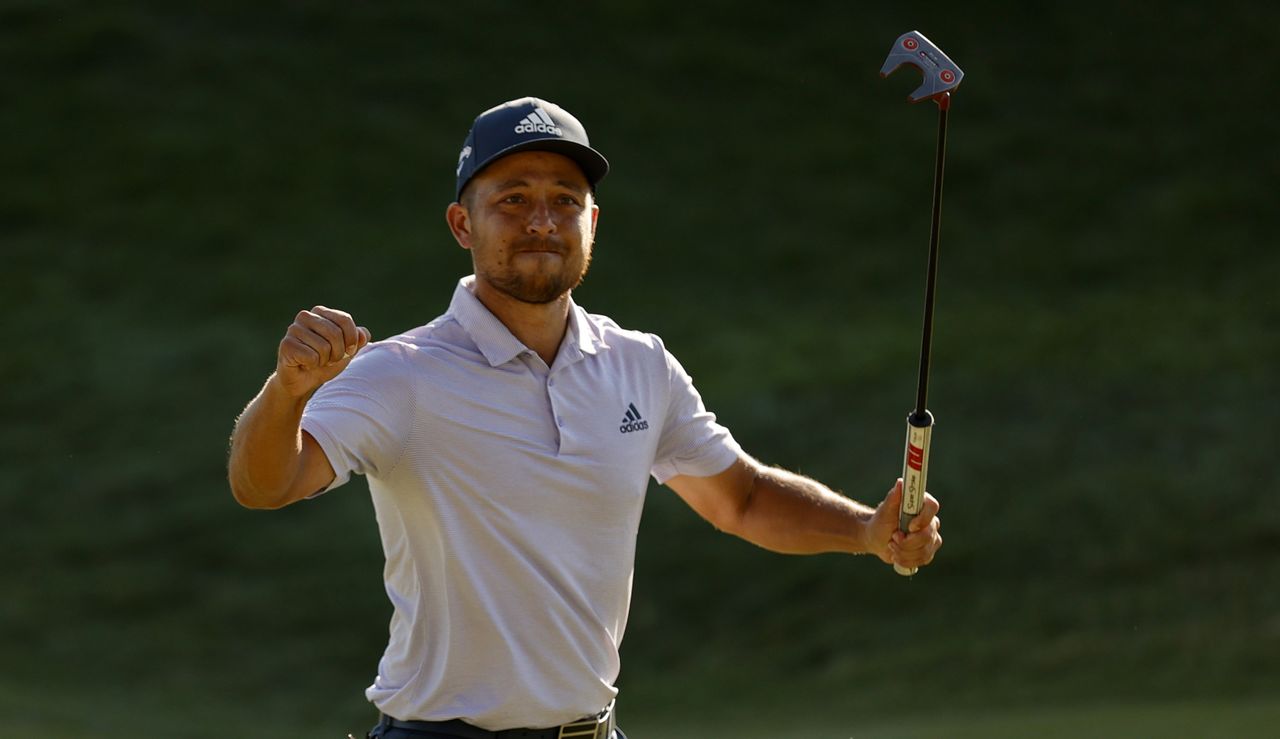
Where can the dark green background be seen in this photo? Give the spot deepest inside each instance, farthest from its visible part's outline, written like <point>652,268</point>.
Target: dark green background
<point>176,181</point>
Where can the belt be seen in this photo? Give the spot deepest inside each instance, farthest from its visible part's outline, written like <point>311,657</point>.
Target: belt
<point>599,726</point>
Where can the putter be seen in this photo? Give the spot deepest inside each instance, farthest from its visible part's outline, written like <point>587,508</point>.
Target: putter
<point>941,76</point>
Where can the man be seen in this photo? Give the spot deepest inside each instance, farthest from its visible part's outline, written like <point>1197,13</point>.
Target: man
<point>508,446</point>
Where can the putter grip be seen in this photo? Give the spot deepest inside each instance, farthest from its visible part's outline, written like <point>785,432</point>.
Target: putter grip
<point>915,469</point>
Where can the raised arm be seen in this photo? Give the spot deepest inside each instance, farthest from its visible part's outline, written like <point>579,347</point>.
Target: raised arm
<point>789,513</point>
<point>273,462</point>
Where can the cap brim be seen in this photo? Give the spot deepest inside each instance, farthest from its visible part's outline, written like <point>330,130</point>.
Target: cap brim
<point>592,162</point>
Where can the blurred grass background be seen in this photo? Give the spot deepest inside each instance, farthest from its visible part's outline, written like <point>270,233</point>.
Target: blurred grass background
<point>176,181</point>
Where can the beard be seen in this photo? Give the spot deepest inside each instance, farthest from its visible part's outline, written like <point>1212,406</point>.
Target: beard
<point>546,284</point>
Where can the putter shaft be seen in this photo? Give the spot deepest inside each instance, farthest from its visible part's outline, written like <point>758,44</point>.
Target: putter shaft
<point>931,281</point>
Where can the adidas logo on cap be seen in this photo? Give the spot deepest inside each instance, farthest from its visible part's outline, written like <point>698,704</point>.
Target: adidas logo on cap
<point>632,421</point>
<point>538,122</point>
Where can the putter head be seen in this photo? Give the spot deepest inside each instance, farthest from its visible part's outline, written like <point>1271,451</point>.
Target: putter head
<point>941,75</point>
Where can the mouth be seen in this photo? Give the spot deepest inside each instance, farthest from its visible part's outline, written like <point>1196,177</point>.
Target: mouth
<point>539,246</point>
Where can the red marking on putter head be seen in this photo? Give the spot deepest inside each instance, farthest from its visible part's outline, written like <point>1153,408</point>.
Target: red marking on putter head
<point>941,75</point>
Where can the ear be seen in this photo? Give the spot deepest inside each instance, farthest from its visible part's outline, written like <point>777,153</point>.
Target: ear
<point>459,221</point>
<point>595,216</point>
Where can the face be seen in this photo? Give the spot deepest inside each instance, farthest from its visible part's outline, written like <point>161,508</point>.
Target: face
<point>529,220</point>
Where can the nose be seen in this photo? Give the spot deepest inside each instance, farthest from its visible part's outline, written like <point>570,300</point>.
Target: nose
<point>541,220</point>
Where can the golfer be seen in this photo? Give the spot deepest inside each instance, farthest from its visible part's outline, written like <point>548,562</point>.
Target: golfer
<point>508,445</point>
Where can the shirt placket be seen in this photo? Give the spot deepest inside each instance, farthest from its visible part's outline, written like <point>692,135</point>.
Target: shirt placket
<point>556,383</point>
<point>557,409</point>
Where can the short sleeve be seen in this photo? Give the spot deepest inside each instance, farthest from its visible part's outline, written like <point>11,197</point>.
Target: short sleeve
<point>361,418</point>
<point>692,442</point>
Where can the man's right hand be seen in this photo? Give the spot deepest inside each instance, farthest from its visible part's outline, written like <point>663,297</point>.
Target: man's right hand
<point>318,345</point>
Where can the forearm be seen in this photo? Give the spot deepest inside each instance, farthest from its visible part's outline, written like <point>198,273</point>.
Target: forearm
<point>266,448</point>
<point>793,514</point>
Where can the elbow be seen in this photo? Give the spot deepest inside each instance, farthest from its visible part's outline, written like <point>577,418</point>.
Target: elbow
<point>244,496</point>
<point>255,499</point>
<point>252,491</point>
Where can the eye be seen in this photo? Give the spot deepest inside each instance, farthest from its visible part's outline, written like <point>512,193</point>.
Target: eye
<point>567,200</point>
<point>514,199</point>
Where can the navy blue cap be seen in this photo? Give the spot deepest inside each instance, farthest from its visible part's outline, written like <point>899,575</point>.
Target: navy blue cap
<point>527,124</point>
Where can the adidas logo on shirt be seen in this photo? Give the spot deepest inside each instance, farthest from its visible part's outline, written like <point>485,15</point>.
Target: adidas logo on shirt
<point>538,122</point>
<point>632,421</point>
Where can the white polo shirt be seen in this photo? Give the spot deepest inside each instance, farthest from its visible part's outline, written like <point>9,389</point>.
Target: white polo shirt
<point>508,496</point>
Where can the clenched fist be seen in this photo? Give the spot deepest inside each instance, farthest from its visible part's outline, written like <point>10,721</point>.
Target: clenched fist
<point>318,345</point>
<point>915,548</point>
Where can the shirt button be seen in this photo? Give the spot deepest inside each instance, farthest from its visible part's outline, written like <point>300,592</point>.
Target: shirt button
<point>551,382</point>
<point>559,420</point>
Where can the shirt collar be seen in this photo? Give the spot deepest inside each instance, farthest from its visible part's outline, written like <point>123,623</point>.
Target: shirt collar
<point>499,345</point>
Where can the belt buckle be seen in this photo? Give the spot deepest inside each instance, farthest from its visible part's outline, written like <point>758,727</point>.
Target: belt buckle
<point>599,727</point>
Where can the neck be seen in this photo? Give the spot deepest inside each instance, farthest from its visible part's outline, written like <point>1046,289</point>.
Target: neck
<point>539,326</point>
